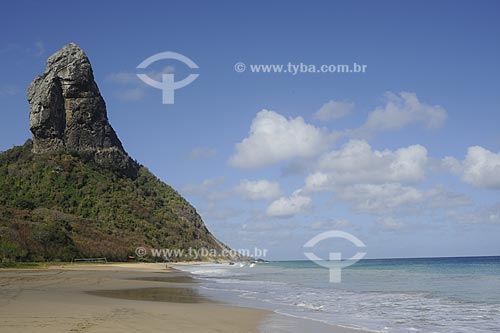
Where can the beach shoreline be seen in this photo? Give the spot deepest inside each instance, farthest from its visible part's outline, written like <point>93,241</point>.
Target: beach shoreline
<point>59,299</point>
<point>128,297</point>
<point>278,320</point>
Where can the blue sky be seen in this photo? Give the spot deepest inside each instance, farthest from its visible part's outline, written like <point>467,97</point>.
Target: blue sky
<point>405,156</point>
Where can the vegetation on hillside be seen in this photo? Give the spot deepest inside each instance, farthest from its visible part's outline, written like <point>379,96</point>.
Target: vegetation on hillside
<point>61,206</point>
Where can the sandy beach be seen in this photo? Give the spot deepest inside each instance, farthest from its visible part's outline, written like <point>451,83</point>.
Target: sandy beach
<point>66,299</point>
<point>128,297</point>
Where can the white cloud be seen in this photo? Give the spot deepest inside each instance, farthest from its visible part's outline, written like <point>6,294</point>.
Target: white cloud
<point>208,189</point>
<point>202,153</point>
<point>274,138</point>
<point>452,165</point>
<point>287,207</point>
<point>330,224</point>
<point>259,189</point>
<point>133,89</point>
<point>380,182</point>
<point>333,110</point>
<point>379,199</point>
<point>481,168</point>
<point>489,214</point>
<point>217,212</point>
<point>130,90</point>
<point>441,197</point>
<point>389,223</point>
<point>318,181</point>
<point>213,195</point>
<point>401,110</point>
<point>168,69</point>
<point>132,94</point>
<point>127,78</point>
<point>356,162</point>
<point>392,198</point>
<point>122,78</point>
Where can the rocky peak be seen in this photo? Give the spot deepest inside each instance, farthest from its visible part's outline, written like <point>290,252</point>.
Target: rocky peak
<point>67,111</point>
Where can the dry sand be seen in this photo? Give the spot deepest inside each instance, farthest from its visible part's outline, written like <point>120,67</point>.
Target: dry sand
<point>63,299</point>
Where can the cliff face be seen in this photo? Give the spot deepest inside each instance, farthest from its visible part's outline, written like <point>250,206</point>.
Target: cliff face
<point>73,191</point>
<point>68,112</point>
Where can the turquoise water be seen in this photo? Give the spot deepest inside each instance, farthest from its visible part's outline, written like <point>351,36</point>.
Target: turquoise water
<point>386,295</point>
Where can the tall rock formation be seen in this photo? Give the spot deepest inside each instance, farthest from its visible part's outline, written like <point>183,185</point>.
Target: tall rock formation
<point>67,112</point>
<point>74,192</point>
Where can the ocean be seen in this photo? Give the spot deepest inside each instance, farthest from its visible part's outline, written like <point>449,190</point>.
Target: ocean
<point>447,295</point>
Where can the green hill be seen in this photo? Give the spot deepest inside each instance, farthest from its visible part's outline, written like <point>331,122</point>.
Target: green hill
<point>62,205</point>
<point>73,191</point>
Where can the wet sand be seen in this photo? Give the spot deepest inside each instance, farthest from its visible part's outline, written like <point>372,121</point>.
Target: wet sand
<point>114,298</point>
<point>128,298</point>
